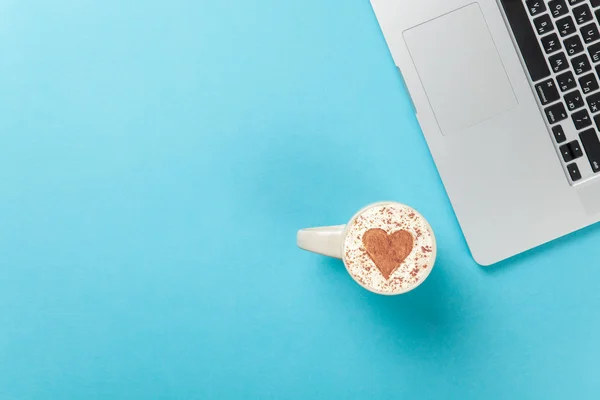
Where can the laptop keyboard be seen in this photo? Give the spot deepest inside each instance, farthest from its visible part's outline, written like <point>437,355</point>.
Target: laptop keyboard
<point>559,41</point>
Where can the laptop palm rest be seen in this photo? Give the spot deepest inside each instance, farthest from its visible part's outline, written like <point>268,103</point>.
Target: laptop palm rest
<point>460,69</point>
<point>590,197</point>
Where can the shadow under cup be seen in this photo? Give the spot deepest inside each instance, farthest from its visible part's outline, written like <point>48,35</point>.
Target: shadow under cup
<point>388,248</point>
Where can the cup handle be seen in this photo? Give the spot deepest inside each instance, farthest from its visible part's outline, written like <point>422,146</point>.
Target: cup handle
<point>325,240</point>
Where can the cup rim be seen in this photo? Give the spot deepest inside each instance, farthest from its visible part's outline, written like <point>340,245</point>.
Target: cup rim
<point>380,203</point>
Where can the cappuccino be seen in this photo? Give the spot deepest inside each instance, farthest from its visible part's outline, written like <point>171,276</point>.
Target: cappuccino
<point>389,248</point>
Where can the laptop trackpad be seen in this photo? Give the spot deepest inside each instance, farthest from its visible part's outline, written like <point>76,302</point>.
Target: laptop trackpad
<point>460,69</point>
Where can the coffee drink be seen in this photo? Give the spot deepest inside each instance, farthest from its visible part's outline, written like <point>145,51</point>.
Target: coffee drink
<point>388,248</point>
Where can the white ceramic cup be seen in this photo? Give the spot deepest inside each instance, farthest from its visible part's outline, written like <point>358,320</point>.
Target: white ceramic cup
<point>367,264</point>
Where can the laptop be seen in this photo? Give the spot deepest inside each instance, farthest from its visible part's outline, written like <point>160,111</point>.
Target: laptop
<point>507,93</point>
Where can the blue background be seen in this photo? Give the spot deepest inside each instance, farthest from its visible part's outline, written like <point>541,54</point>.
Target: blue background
<point>156,160</point>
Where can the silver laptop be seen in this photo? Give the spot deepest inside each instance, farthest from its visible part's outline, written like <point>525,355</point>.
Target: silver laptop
<point>507,93</point>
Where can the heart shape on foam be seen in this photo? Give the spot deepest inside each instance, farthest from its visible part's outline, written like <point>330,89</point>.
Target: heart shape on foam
<point>387,251</point>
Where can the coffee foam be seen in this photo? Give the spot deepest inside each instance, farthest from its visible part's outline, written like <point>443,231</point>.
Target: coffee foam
<point>391,218</point>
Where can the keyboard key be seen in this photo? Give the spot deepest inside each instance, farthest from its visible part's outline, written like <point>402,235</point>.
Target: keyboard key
<point>551,43</point>
<point>525,36</point>
<point>582,14</point>
<point>597,120</point>
<point>556,113</point>
<point>558,62</point>
<point>565,151</point>
<point>566,81</point>
<point>581,119</point>
<point>588,83</point>
<point>574,172</point>
<point>581,64</point>
<point>543,24</point>
<point>594,102</point>
<point>573,2</point>
<point>547,92</point>
<point>595,52</point>
<point>590,33</point>
<point>557,8</point>
<point>595,3</point>
<point>535,7</point>
<point>573,45</point>
<point>591,144</point>
<point>575,148</point>
<point>559,134</point>
<point>574,100</point>
<point>565,26</point>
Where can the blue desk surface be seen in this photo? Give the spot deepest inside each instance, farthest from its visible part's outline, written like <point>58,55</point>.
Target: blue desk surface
<point>156,161</point>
